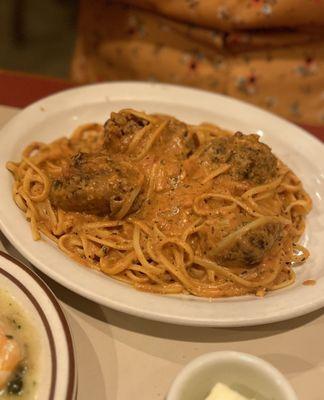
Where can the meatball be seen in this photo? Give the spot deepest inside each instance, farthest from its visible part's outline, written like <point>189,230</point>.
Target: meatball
<point>249,159</point>
<point>251,248</point>
<point>175,139</point>
<point>120,129</point>
<point>95,184</point>
<point>178,142</point>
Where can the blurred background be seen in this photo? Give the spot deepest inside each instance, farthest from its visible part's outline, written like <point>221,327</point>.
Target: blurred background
<point>266,52</point>
<point>38,36</point>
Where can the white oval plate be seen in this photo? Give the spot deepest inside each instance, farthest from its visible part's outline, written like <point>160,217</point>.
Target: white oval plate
<point>56,371</point>
<point>58,115</point>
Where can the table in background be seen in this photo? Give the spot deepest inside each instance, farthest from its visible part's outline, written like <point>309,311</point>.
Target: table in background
<point>120,357</point>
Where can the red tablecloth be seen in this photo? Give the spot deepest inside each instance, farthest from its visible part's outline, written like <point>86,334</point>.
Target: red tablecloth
<point>20,90</point>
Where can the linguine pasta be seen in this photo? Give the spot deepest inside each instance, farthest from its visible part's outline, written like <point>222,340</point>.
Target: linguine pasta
<point>191,221</point>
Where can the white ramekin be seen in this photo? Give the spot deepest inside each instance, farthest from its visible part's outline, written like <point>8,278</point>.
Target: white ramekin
<point>249,375</point>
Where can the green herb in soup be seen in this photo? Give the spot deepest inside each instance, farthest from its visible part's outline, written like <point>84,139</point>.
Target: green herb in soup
<point>19,352</point>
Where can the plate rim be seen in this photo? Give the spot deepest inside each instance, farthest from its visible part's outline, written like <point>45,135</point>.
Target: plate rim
<point>65,329</point>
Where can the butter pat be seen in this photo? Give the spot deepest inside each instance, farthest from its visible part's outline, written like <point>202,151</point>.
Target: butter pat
<point>223,392</point>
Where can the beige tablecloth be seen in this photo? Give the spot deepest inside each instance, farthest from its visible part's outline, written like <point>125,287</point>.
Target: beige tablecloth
<point>120,357</point>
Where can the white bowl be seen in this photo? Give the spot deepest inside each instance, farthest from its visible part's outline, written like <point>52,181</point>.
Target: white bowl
<point>249,375</point>
<point>55,372</point>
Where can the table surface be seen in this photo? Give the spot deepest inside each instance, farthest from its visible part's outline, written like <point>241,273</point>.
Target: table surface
<point>120,357</point>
